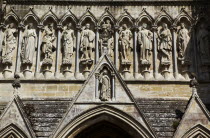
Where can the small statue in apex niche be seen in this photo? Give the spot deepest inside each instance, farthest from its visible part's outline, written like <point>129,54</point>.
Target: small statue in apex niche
<point>165,43</point>
<point>183,39</point>
<point>106,40</point>
<point>125,43</point>
<point>9,43</point>
<point>203,42</point>
<point>145,43</point>
<point>87,43</point>
<point>29,44</point>
<point>104,86</point>
<point>48,46</point>
<point>68,38</point>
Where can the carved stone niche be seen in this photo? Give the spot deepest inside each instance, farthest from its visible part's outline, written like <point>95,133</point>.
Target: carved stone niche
<point>184,47</point>
<point>144,47</point>
<point>125,47</point>
<point>106,37</point>
<point>9,44</point>
<point>28,46</point>
<point>87,46</point>
<point>203,45</point>
<point>164,41</point>
<point>48,46</point>
<point>68,43</point>
<point>104,90</point>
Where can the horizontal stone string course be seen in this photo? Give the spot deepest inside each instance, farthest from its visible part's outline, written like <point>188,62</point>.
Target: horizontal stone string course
<point>146,48</point>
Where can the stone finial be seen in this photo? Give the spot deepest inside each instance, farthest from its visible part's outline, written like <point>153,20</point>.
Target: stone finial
<point>16,83</point>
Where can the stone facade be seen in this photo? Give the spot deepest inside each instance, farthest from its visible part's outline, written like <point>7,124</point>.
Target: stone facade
<point>104,68</point>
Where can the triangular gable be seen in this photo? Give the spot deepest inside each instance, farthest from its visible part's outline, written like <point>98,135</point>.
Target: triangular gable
<point>88,97</point>
<point>196,113</point>
<point>14,114</point>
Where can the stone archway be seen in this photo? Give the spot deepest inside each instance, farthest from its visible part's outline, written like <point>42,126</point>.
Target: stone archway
<point>103,129</point>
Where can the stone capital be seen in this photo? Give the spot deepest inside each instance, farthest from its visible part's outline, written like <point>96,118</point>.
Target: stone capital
<point>116,28</point>
<point>173,28</point>
<point>154,28</point>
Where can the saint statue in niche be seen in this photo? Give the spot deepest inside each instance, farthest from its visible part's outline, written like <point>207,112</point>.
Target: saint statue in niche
<point>48,46</point>
<point>68,43</point>
<point>104,86</point>
<point>203,42</point>
<point>125,44</point>
<point>106,40</point>
<point>87,43</point>
<point>9,43</point>
<point>145,43</point>
<point>29,44</point>
<point>165,43</point>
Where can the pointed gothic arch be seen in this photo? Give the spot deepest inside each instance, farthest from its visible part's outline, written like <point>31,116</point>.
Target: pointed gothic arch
<point>145,15</point>
<point>12,130</point>
<point>67,15</point>
<point>104,113</point>
<point>105,15</point>
<point>163,14</point>
<point>11,15</point>
<point>87,15</point>
<point>48,15</point>
<point>197,130</point>
<point>125,15</point>
<point>31,14</point>
<point>185,15</point>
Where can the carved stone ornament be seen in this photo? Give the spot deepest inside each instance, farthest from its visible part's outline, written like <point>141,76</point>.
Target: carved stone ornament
<point>106,40</point>
<point>48,46</point>
<point>9,44</point>
<point>29,44</point>
<point>104,85</point>
<point>68,41</point>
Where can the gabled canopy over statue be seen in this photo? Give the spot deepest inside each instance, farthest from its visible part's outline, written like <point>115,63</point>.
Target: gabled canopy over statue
<point>125,44</point>
<point>9,44</point>
<point>145,42</point>
<point>68,43</point>
<point>165,43</point>
<point>104,86</point>
<point>87,43</point>
<point>29,44</point>
<point>106,39</point>
<point>48,46</point>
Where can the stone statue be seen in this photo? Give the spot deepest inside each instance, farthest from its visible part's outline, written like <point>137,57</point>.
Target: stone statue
<point>68,38</point>
<point>165,43</point>
<point>183,43</point>
<point>203,42</point>
<point>106,40</point>
<point>125,38</point>
<point>104,86</point>
<point>145,43</point>
<point>29,44</point>
<point>48,46</point>
<point>9,44</point>
<point>87,43</point>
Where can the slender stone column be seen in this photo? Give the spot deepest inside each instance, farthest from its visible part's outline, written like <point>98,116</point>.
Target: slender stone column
<point>17,66</point>
<point>77,51</point>
<point>58,51</point>
<point>1,35</point>
<point>96,86</point>
<point>96,44</point>
<point>38,54</point>
<point>174,50</point>
<point>196,64</point>
<point>113,87</point>
<point>135,51</point>
<point>116,37</point>
<point>155,68</point>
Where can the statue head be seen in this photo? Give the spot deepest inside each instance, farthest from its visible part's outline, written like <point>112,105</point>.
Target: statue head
<point>30,25</point>
<point>69,25</point>
<point>50,25</point>
<point>108,21</point>
<point>105,72</point>
<point>182,25</point>
<point>87,26</point>
<point>124,27</point>
<point>165,26</point>
<point>144,26</point>
<point>11,25</point>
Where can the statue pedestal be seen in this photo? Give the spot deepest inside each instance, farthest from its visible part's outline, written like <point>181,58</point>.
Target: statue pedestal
<point>27,71</point>
<point>185,69</point>
<point>145,65</point>
<point>7,72</point>
<point>165,69</point>
<point>87,63</point>
<point>126,69</point>
<point>47,71</point>
<point>67,70</point>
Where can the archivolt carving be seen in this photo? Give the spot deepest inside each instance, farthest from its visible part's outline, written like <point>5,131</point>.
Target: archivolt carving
<point>12,130</point>
<point>196,131</point>
<point>103,113</point>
